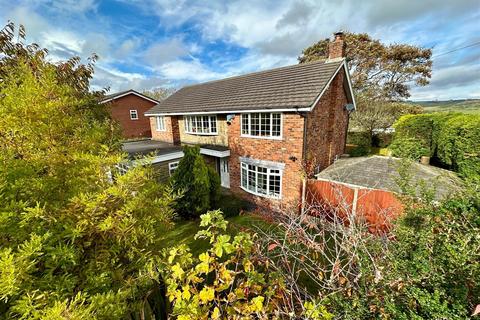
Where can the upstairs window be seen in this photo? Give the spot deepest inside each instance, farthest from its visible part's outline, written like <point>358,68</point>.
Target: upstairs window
<point>267,125</point>
<point>206,125</point>
<point>160,123</point>
<point>133,115</point>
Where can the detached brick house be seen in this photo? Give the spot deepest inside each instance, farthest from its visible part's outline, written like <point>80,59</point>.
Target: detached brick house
<point>258,129</point>
<point>128,109</point>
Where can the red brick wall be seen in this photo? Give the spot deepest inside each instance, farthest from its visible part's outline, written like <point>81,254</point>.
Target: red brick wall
<point>327,125</point>
<point>281,151</point>
<point>120,111</point>
<point>171,133</point>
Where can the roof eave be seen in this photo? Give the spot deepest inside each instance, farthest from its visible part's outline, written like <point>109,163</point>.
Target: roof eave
<point>342,65</point>
<point>126,94</point>
<point>292,109</point>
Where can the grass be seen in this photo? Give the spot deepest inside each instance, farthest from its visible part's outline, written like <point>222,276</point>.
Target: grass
<point>184,232</point>
<point>464,106</point>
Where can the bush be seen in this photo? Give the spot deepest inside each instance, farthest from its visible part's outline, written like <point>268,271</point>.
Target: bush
<point>430,271</point>
<point>361,142</point>
<point>453,138</point>
<point>192,179</point>
<point>458,145</point>
<point>409,148</point>
<point>215,185</point>
<point>199,183</point>
<point>229,280</point>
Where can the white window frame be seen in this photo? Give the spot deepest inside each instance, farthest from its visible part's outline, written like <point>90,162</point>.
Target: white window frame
<point>160,123</point>
<point>190,120</point>
<point>244,165</point>
<point>172,166</point>
<point>133,112</point>
<point>249,135</point>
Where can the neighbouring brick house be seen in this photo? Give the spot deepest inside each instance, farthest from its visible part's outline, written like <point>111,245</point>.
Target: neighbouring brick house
<point>128,109</point>
<point>258,129</point>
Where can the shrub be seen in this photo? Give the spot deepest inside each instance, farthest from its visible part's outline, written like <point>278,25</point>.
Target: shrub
<point>430,270</point>
<point>409,148</point>
<point>416,132</point>
<point>453,138</point>
<point>199,183</point>
<point>361,141</point>
<point>191,177</point>
<point>229,281</point>
<point>459,144</point>
<point>215,186</point>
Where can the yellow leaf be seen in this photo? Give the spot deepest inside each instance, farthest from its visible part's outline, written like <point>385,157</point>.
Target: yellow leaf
<point>216,313</point>
<point>257,304</point>
<point>207,294</point>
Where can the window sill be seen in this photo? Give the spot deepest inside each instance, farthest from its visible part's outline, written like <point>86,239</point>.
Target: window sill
<point>261,137</point>
<point>279,197</point>
<point>165,130</point>
<point>201,134</point>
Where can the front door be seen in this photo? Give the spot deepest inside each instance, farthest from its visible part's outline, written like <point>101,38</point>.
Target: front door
<point>224,173</point>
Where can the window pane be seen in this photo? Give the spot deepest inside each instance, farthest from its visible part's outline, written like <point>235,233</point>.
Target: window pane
<point>262,180</point>
<point>255,124</point>
<point>276,120</point>
<point>213,124</point>
<point>274,188</point>
<point>251,178</point>
<point>244,177</point>
<point>245,124</point>
<point>264,124</point>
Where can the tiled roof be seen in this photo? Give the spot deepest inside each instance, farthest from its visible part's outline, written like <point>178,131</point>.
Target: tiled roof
<point>289,87</point>
<point>119,94</point>
<point>378,172</point>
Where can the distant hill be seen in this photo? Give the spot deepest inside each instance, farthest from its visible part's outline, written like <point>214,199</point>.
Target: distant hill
<point>464,106</point>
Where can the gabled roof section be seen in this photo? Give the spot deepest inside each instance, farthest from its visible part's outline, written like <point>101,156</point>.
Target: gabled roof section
<point>291,88</point>
<point>117,95</point>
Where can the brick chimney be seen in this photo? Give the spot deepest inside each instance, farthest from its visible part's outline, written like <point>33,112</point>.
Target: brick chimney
<point>336,48</point>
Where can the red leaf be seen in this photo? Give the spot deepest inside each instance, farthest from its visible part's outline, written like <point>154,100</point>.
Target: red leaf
<point>272,246</point>
<point>477,310</point>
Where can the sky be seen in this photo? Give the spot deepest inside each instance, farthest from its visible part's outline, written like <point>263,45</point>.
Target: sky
<point>145,44</point>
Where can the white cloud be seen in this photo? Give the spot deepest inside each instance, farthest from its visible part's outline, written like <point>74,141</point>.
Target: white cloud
<point>188,70</point>
<point>166,51</point>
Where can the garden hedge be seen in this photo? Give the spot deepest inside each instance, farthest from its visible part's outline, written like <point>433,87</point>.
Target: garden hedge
<point>452,138</point>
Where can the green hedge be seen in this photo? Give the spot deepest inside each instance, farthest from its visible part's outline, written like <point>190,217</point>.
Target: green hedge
<point>452,138</point>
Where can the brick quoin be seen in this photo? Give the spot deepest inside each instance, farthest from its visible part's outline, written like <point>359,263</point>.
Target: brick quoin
<point>119,109</point>
<point>327,125</point>
<point>325,135</point>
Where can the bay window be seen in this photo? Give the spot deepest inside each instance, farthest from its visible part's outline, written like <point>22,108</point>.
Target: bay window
<point>206,125</point>
<point>261,180</point>
<point>268,125</point>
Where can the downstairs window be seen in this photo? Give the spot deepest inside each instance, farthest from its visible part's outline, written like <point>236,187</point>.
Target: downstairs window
<point>260,180</point>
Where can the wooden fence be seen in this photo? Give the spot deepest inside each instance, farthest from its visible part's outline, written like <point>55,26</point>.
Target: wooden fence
<point>341,200</point>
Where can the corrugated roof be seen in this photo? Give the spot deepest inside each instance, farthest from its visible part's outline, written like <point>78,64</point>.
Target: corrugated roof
<point>288,87</point>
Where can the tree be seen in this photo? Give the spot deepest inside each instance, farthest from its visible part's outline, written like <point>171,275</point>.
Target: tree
<point>377,114</point>
<point>72,243</point>
<point>199,184</point>
<point>159,93</point>
<point>378,70</point>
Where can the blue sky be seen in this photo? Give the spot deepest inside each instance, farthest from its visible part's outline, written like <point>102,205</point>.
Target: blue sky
<point>152,43</point>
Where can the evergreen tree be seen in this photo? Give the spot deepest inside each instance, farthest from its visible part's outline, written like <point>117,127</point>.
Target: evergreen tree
<point>193,179</point>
